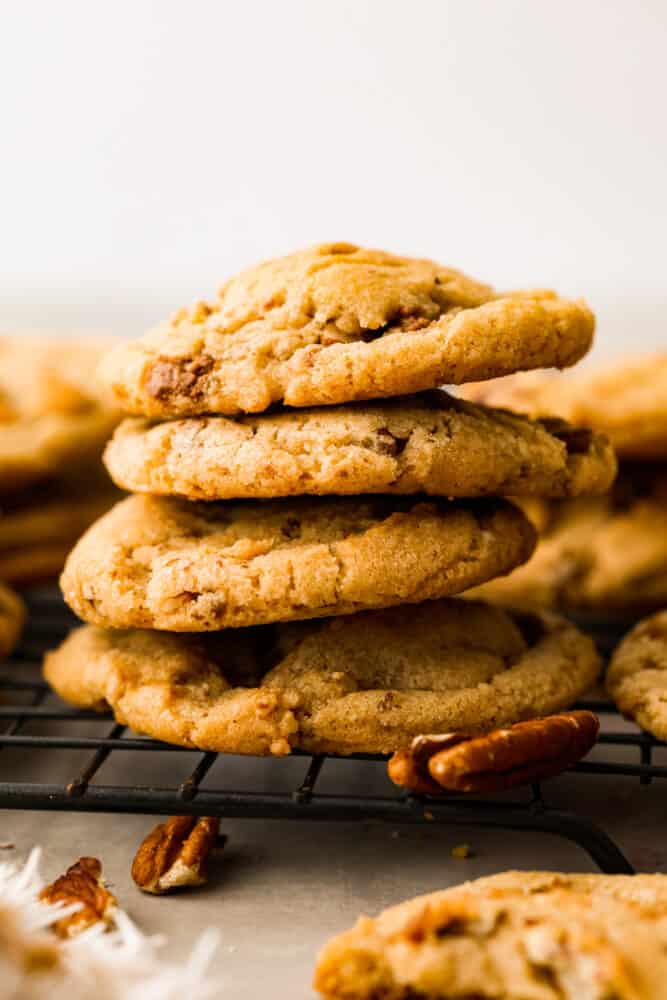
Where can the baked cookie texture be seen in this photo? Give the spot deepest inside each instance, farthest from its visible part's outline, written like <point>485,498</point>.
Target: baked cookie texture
<point>597,554</point>
<point>338,323</point>
<point>12,619</point>
<point>626,400</point>
<point>512,936</point>
<point>53,410</point>
<point>637,675</point>
<point>170,564</point>
<point>367,683</point>
<point>431,443</point>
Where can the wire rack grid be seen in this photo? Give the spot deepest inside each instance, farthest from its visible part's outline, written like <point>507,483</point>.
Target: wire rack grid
<point>34,722</point>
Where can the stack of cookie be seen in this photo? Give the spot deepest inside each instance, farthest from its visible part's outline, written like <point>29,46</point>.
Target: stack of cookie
<point>598,556</point>
<point>284,481</point>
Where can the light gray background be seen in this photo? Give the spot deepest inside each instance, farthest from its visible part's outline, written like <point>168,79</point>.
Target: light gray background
<point>151,147</point>
<point>148,149</point>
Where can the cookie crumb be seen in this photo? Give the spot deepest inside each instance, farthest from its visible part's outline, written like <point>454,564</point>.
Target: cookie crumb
<point>461,851</point>
<point>7,846</point>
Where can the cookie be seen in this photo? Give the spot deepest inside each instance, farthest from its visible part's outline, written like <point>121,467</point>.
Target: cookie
<point>53,411</point>
<point>626,400</point>
<point>335,324</point>
<point>596,554</point>
<point>430,443</point>
<point>367,683</point>
<point>637,675</point>
<point>12,619</point>
<point>39,527</point>
<point>516,935</point>
<point>169,564</point>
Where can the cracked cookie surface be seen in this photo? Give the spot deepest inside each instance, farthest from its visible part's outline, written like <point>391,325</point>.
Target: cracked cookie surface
<point>637,675</point>
<point>431,443</point>
<point>53,411</point>
<point>626,400</point>
<point>12,618</point>
<point>163,563</point>
<point>597,554</point>
<point>338,323</point>
<point>523,934</point>
<point>366,683</point>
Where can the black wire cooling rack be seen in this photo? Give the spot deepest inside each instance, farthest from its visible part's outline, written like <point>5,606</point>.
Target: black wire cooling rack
<point>40,729</point>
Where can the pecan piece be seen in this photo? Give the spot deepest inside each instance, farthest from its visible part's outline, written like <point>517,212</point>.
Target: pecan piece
<point>504,758</point>
<point>174,854</point>
<point>82,884</point>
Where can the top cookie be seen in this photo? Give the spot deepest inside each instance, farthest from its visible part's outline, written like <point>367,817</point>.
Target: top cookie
<point>541,935</point>
<point>338,323</point>
<point>626,400</point>
<point>430,443</point>
<point>53,411</point>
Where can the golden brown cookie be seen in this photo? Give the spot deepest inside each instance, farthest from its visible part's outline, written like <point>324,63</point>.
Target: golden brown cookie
<point>335,324</point>
<point>39,526</point>
<point>637,675</point>
<point>12,619</point>
<point>431,443</point>
<point>512,936</point>
<point>366,683</point>
<point>53,410</point>
<point>596,554</point>
<point>169,564</point>
<point>626,400</point>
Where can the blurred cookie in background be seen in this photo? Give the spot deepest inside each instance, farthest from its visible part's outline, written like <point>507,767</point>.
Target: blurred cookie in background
<point>598,556</point>
<point>12,619</point>
<point>626,400</point>
<point>637,675</point>
<point>39,526</point>
<point>54,413</point>
<point>55,419</point>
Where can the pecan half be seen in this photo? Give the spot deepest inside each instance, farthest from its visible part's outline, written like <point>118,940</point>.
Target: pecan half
<point>82,883</point>
<point>175,853</point>
<point>504,758</point>
<point>409,768</point>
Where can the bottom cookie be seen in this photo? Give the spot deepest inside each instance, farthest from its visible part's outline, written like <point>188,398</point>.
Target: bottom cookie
<point>512,936</point>
<point>12,619</point>
<point>637,675</point>
<point>366,683</point>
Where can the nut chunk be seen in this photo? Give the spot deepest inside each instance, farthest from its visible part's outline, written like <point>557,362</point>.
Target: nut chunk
<point>520,754</point>
<point>175,853</point>
<point>81,884</point>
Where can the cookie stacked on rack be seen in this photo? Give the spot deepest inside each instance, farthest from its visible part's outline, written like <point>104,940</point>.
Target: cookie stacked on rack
<point>293,464</point>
